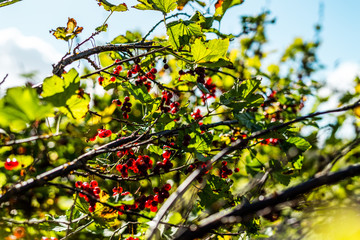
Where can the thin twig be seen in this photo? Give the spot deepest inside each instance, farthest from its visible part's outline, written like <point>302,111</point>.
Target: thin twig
<point>158,49</point>
<point>78,230</point>
<point>162,20</point>
<point>30,139</point>
<point>4,79</point>
<point>71,214</point>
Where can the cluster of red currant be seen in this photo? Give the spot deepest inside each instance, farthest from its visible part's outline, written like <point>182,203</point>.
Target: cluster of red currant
<point>199,165</point>
<point>196,115</point>
<point>118,190</point>
<point>151,202</point>
<point>270,141</point>
<point>134,70</point>
<point>211,88</point>
<point>127,152</point>
<point>199,71</point>
<point>138,166</point>
<point>116,71</point>
<point>92,189</point>
<point>126,107</point>
<point>167,105</point>
<point>142,80</point>
<point>166,164</point>
<point>11,164</point>
<point>102,133</point>
<point>224,170</point>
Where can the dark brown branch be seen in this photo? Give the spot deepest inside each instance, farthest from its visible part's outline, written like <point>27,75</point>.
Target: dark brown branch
<point>59,68</point>
<point>247,211</point>
<point>34,138</point>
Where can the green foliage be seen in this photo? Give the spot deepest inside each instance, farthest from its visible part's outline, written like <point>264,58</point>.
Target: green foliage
<point>169,105</point>
<point>20,107</point>
<point>4,3</point>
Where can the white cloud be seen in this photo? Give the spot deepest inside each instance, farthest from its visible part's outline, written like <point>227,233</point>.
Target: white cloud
<point>338,81</point>
<point>24,54</point>
<point>342,78</point>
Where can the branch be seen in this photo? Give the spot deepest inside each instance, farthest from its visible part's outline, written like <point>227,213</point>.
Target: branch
<point>248,210</point>
<point>237,145</point>
<point>30,139</point>
<point>59,68</point>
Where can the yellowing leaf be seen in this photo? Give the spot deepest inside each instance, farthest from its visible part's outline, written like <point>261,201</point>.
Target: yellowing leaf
<point>71,30</point>
<point>221,6</point>
<point>113,8</point>
<point>71,25</point>
<point>103,196</point>
<point>106,115</point>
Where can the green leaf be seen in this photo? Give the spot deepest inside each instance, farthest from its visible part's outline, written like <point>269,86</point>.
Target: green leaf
<point>61,92</point>
<point>129,37</point>
<point>102,28</point>
<point>181,32</point>
<point>76,106</point>
<point>175,218</point>
<point>4,3</point>
<point>253,165</point>
<point>242,96</point>
<point>298,162</point>
<point>216,189</point>
<point>299,142</point>
<point>21,106</point>
<point>223,5</point>
<point>248,120</point>
<point>114,8</point>
<point>210,51</point>
<point>204,22</point>
<point>139,92</point>
<point>164,6</point>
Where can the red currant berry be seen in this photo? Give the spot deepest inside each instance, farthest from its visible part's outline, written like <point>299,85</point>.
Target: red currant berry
<point>101,80</point>
<point>93,183</point>
<point>96,190</point>
<point>153,209</point>
<point>78,184</point>
<point>167,187</point>
<point>91,208</point>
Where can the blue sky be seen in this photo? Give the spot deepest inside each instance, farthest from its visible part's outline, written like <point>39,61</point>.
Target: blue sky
<point>26,45</point>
